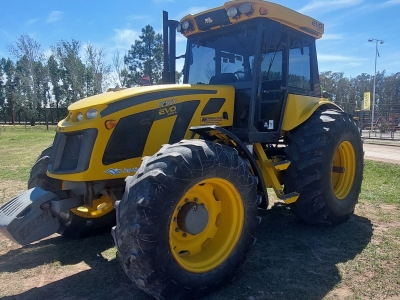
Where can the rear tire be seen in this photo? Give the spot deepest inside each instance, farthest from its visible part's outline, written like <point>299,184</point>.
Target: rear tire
<point>186,219</point>
<point>71,225</point>
<point>326,167</point>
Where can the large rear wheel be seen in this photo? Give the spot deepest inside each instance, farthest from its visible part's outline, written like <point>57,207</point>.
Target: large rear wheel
<point>79,222</point>
<point>326,167</point>
<point>186,219</point>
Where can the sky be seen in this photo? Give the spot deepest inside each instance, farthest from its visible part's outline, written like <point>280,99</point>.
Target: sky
<point>115,25</point>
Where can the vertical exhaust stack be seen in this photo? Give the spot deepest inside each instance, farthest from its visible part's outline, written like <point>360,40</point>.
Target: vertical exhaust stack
<point>169,43</point>
<point>165,73</point>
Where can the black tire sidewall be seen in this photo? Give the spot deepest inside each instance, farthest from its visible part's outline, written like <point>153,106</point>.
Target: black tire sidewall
<point>163,200</point>
<point>344,131</point>
<point>172,267</point>
<point>311,149</point>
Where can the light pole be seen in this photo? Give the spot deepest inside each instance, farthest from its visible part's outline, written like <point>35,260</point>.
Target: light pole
<point>373,93</point>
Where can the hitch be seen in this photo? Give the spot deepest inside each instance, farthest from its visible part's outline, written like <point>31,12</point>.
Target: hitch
<point>32,215</point>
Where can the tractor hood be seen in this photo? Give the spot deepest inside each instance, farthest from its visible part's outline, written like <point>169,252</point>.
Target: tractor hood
<point>117,104</point>
<point>106,136</point>
<point>113,96</point>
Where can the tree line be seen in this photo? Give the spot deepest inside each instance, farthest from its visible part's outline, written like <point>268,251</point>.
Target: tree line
<point>348,93</point>
<point>32,84</point>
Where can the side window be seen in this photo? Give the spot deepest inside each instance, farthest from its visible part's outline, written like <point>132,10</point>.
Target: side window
<point>204,69</point>
<point>299,65</point>
<point>271,66</point>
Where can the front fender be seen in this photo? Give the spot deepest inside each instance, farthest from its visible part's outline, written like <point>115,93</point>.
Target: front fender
<point>214,133</point>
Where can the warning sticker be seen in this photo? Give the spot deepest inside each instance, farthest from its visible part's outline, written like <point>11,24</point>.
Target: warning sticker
<point>211,121</point>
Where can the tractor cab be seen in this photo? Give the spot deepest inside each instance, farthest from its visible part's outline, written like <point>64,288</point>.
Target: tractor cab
<point>263,59</point>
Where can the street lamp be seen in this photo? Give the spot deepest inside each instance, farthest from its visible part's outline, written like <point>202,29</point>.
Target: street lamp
<point>373,93</point>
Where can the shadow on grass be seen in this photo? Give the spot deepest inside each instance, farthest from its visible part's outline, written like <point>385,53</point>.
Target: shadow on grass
<point>104,280</point>
<point>292,260</point>
<point>289,261</point>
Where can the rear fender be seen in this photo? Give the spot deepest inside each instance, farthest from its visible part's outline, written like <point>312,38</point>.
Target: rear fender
<point>299,108</point>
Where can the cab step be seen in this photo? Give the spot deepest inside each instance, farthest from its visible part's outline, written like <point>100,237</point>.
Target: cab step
<point>281,165</point>
<point>289,198</point>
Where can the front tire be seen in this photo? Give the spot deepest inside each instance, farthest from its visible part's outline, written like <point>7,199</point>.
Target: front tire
<point>79,222</point>
<point>326,167</point>
<point>186,219</point>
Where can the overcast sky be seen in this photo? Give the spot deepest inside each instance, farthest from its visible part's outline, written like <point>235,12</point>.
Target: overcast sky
<point>116,24</point>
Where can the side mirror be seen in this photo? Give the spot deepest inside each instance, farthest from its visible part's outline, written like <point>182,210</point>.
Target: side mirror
<point>326,95</point>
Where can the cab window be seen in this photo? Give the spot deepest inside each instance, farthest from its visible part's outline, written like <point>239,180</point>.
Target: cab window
<point>299,65</point>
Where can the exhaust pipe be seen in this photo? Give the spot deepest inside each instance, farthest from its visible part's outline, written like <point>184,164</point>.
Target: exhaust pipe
<point>169,49</point>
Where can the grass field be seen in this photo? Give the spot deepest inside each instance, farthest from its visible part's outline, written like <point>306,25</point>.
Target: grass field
<point>359,259</point>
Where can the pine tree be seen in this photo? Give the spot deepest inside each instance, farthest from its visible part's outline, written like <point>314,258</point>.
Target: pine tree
<point>145,58</point>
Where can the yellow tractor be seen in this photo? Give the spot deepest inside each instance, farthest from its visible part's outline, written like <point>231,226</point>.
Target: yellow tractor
<point>180,171</point>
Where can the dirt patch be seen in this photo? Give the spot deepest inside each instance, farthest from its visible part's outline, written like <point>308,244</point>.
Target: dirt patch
<point>10,188</point>
<point>384,153</point>
<point>358,259</point>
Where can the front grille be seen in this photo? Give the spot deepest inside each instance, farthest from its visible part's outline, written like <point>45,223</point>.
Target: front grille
<point>72,151</point>
<point>70,155</point>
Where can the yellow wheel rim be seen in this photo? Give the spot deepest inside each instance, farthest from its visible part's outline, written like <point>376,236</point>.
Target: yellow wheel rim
<point>206,225</point>
<point>343,170</point>
<point>101,207</point>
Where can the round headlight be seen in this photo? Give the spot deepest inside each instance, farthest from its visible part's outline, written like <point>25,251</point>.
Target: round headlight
<point>179,27</point>
<point>79,117</point>
<point>232,12</point>
<point>245,8</point>
<point>185,25</point>
<point>91,113</point>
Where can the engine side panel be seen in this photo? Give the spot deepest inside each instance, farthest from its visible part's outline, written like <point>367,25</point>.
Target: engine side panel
<point>144,123</point>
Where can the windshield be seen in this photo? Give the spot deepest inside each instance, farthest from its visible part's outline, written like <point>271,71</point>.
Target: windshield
<point>222,59</point>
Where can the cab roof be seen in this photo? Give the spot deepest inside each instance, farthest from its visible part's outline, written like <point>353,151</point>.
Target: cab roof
<point>236,11</point>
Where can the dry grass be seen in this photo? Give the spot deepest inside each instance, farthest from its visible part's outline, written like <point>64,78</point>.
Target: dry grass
<point>359,259</point>
<point>19,148</point>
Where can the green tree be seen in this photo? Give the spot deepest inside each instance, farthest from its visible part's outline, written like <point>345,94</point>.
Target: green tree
<point>178,76</point>
<point>361,84</point>
<point>31,72</point>
<point>2,84</point>
<point>2,88</point>
<point>120,69</point>
<point>73,70</point>
<point>55,76</point>
<point>339,87</point>
<point>12,86</point>
<point>145,58</point>
<point>97,71</point>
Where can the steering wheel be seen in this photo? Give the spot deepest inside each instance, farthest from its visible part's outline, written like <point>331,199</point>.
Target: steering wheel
<point>241,77</point>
